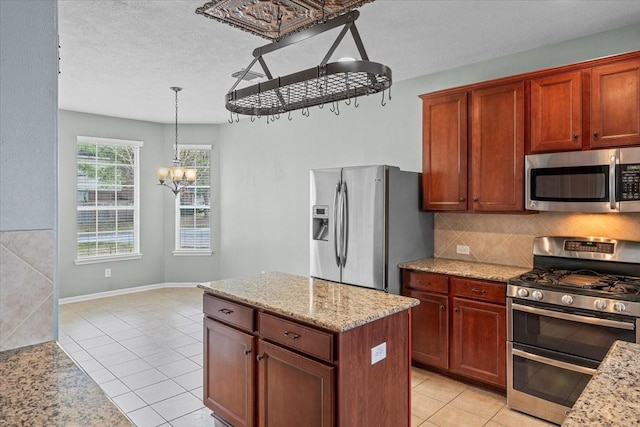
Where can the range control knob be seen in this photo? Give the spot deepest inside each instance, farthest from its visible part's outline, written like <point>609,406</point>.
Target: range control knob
<point>536,295</point>
<point>600,304</point>
<point>523,293</point>
<point>567,299</point>
<point>619,307</point>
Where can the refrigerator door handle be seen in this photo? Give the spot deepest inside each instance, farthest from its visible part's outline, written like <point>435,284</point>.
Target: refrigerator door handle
<point>345,223</point>
<point>336,222</point>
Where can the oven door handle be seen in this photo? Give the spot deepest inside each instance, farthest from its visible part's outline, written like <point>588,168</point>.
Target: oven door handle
<point>552,362</point>
<point>574,317</point>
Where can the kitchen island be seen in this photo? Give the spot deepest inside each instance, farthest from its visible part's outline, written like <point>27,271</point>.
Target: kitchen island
<point>41,386</point>
<point>612,396</point>
<point>290,350</point>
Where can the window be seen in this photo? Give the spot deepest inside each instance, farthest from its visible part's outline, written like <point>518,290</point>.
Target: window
<point>193,206</point>
<point>107,199</point>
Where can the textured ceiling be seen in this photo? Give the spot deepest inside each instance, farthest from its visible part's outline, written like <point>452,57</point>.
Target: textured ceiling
<point>119,57</point>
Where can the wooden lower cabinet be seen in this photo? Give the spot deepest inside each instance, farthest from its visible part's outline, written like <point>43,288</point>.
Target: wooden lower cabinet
<point>430,331</point>
<point>293,390</point>
<point>261,369</point>
<point>229,373</point>
<point>461,328</point>
<point>478,341</point>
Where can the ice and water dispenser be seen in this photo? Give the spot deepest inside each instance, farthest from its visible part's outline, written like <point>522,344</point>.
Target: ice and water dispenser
<point>320,216</point>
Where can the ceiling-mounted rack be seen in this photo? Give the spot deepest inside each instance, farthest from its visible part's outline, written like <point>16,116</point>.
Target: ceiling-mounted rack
<point>325,83</point>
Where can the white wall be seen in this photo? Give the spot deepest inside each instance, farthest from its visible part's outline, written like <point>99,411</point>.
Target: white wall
<point>28,106</point>
<point>264,166</point>
<point>158,265</point>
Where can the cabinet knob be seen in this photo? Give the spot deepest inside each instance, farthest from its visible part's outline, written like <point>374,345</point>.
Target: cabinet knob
<point>442,307</point>
<point>259,357</point>
<point>595,134</point>
<point>456,309</point>
<point>476,199</point>
<point>462,199</point>
<point>575,136</point>
<point>247,351</point>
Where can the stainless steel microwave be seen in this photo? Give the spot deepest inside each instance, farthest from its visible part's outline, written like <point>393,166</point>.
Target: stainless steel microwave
<point>584,181</point>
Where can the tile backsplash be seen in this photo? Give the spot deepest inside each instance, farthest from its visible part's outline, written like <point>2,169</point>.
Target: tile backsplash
<point>27,260</point>
<point>508,239</point>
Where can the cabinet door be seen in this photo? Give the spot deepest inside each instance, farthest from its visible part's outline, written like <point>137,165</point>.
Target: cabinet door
<point>556,113</point>
<point>478,347</point>
<point>293,390</point>
<point>497,145</point>
<point>430,329</point>
<point>229,373</point>
<point>615,104</point>
<point>444,152</point>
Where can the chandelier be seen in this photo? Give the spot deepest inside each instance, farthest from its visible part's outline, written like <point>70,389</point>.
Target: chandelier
<point>180,176</point>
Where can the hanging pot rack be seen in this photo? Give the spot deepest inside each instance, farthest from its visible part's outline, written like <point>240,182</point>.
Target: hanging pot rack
<point>325,83</point>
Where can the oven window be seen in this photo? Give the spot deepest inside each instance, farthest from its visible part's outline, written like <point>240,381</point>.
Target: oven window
<point>575,338</point>
<point>585,184</point>
<point>547,382</point>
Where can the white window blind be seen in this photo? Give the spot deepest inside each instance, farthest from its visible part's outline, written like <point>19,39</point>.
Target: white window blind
<point>107,198</point>
<point>193,206</point>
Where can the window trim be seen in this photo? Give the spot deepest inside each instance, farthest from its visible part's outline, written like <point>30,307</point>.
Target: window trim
<point>136,254</point>
<point>176,211</point>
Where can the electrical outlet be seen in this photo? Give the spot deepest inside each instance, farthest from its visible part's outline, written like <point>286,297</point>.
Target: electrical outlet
<point>378,353</point>
<point>107,272</point>
<point>462,249</point>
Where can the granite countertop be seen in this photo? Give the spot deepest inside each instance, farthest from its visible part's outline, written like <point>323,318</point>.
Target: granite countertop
<point>42,386</point>
<point>612,396</point>
<point>475,270</point>
<point>326,304</point>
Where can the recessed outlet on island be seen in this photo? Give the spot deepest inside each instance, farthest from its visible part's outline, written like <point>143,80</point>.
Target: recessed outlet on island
<point>378,353</point>
<point>107,272</point>
<point>463,249</point>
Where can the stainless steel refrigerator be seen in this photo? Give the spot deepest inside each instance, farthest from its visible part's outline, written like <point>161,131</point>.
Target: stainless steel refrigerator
<point>364,221</point>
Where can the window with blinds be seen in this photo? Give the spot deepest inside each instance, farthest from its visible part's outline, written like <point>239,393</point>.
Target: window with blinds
<point>107,198</point>
<point>193,206</point>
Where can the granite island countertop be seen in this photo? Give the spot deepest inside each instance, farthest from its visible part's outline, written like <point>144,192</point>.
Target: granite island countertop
<point>612,396</point>
<point>473,270</point>
<point>329,305</point>
<point>41,386</point>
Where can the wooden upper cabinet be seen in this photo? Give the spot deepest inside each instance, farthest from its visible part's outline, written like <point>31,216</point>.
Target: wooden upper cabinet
<point>444,152</point>
<point>615,104</point>
<point>556,113</point>
<point>497,148</point>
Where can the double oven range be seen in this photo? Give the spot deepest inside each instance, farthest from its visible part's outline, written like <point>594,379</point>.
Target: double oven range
<point>581,296</point>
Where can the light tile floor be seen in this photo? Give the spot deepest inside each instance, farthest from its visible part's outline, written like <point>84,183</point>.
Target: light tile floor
<point>145,350</point>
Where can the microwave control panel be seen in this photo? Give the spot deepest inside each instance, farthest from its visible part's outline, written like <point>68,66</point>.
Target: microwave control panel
<point>630,182</point>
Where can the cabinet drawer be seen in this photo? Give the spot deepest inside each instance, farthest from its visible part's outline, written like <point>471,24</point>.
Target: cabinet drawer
<point>228,312</point>
<point>479,290</point>
<point>293,335</point>
<point>425,281</point>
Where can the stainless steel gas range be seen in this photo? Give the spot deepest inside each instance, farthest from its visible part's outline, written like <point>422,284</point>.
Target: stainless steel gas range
<point>563,316</point>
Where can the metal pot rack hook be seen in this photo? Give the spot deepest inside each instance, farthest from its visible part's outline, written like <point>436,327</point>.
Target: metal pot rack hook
<point>230,120</point>
<point>355,102</point>
<point>335,107</point>
<point>289,116</point>
<point>305,111</point>
<point>346,84</point>
<point>382,102</point>
<point>253,119</point>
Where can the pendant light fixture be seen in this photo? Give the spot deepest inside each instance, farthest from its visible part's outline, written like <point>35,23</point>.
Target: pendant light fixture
<point>180,176</point>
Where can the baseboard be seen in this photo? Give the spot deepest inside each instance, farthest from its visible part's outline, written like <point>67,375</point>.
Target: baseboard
<point>126,291</point>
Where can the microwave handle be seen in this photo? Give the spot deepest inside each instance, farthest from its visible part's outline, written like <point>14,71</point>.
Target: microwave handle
<point>612,181</point>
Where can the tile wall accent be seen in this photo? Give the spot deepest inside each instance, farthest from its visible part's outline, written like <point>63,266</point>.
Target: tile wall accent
<point>26,288</point>
<point>508,239</point>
